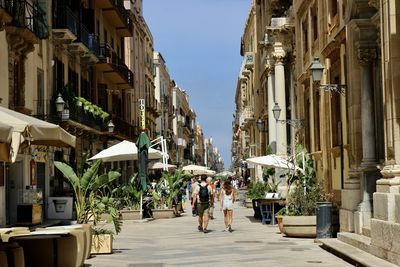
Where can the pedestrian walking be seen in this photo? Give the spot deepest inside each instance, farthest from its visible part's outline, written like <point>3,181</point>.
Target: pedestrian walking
<point>202,194</point>
<point>193,186</point>
<point>212,206</point>
<point>227,199</point>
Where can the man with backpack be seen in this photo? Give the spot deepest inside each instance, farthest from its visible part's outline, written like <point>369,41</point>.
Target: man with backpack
<point>202,194</point>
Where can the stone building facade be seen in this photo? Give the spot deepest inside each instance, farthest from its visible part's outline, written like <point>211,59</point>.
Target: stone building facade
<point>349,117</point>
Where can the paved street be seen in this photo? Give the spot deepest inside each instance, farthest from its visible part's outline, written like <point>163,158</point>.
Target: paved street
<point>176,242</point>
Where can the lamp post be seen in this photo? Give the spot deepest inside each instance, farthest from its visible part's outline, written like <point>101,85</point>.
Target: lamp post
<point>316,72</point>
<point>60,104</point>
<point>294,123</point>
<point>110,126</point>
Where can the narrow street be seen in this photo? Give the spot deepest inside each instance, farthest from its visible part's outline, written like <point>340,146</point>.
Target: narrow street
<point>176,242</point>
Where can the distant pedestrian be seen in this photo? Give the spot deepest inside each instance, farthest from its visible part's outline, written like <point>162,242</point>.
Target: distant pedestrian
<point>202,194</point>
<point>194,207</point>
<point>212,206</point>
<point>227,199</point>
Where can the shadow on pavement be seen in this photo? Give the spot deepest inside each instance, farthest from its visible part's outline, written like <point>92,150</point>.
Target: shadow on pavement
<point>252,219</point>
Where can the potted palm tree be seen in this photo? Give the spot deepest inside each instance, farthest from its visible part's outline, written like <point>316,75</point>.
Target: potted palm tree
<point>87,185</point>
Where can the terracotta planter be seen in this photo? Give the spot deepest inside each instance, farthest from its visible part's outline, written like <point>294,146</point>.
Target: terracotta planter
<point>300,226</point>
<point>280,224</point>
<point>130,214</point>
<point>102,244</point>
<point>164,214</point>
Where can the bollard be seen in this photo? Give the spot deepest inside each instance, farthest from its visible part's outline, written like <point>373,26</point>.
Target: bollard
<point>324,220</point>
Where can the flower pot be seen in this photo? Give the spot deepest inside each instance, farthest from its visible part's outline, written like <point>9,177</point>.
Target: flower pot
<point>300,226</point>
<point>163,214</point>
<point>130,214</point>
<point>102,244</point>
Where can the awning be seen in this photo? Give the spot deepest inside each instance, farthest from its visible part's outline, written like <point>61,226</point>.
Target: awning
<point>197,170</point>
<point>25,128</point>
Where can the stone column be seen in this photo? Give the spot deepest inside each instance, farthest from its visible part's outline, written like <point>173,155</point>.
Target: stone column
<point>271,103</point>
<point>366,57</point>
<point>280,99</point>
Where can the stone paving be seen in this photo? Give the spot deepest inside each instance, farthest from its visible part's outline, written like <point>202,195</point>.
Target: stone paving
<point>176,242</point>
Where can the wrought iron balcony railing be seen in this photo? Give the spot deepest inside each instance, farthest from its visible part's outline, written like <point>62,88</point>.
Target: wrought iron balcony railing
<point>124,128</point>
<point>64,18</point>
<point>28,15</point>
<point>108,55</point>
<point>119,5</point>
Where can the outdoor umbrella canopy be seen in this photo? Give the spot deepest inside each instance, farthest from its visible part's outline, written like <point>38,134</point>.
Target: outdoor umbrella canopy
<point>197,170</point>
<point>225,174</point>
<point>274,161</point>
<point>160,165</point>
<point>123,151</point>
<point>25,128</point>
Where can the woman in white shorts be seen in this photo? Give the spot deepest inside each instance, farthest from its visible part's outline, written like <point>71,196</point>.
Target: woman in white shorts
<point>226,201</point>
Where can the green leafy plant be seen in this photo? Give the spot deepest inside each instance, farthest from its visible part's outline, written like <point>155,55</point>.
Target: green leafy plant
<point>169,188</point>
<point>87,183</point>
<point>308,190</point>
<point>128,195</point>
<point>256,190</point>
<point>281,212</point>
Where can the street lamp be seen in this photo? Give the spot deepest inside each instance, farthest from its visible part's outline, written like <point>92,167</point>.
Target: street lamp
<point>60,104</point>
<point>260,125</point>
<point>110,126</point>
<point>294,123</point>
<point>316,72</point>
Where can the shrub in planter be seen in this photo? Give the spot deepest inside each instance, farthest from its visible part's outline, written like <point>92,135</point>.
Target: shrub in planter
<point>256,191</point>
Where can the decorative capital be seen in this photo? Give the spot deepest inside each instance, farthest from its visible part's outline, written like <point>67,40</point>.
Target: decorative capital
<point>279,57</point>
<point>366,55</point>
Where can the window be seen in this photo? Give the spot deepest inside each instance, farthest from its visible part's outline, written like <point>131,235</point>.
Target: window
<point>317,99</point>
<point>335,116</point>
<point>314,18</point>
<point>305,36</point>
<point>40,93</point>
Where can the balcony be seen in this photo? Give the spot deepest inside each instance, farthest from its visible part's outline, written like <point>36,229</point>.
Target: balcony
<point>4,16</point>
<point>85,117</point>
<point>117,15</point>
<point>124,129</point>
<point>181,119</point>
<point>86,45</point>
<point>28,20</point>
<point>246,116</point>
<point>65,25</point>
<point>113,67</point>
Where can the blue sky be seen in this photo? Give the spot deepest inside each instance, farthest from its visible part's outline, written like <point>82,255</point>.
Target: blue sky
<point>200,42</point>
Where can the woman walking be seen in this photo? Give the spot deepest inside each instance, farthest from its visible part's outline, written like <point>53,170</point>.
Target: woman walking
<point>226,201</point>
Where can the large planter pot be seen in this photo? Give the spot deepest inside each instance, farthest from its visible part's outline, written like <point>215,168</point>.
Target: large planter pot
<point>249,203</point>
<point>300,226</point>
<point>102,244</point>
<point>130,214</point>
<point>280,223</point>
<point>163,214</point>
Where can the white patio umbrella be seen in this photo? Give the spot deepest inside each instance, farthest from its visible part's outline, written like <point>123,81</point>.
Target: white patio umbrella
<point>24,128</point>
<point>123,151</point>
<point>160,165</point>
<point>274,161</point>
<point>225,174</point>
<point>197,170</point>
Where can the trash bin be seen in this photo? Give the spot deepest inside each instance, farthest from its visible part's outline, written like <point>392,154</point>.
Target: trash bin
<point>324,220</point>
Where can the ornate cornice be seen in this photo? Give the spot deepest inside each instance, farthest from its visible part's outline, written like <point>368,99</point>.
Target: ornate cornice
<point>279,57</point>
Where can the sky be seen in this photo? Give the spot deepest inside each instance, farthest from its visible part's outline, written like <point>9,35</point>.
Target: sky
<point>200,42</point>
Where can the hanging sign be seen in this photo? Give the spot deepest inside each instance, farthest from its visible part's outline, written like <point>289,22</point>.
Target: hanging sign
<point>142,115</point>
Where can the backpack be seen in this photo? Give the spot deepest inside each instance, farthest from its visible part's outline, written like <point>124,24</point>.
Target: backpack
<point>203,194</point>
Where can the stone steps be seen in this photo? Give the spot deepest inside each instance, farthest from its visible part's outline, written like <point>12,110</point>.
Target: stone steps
<point>352,254</point>
<point>366,231</point>
<point>359,241</point>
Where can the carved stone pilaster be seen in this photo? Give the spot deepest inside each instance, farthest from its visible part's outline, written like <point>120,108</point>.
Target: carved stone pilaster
<point>366,55</point>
